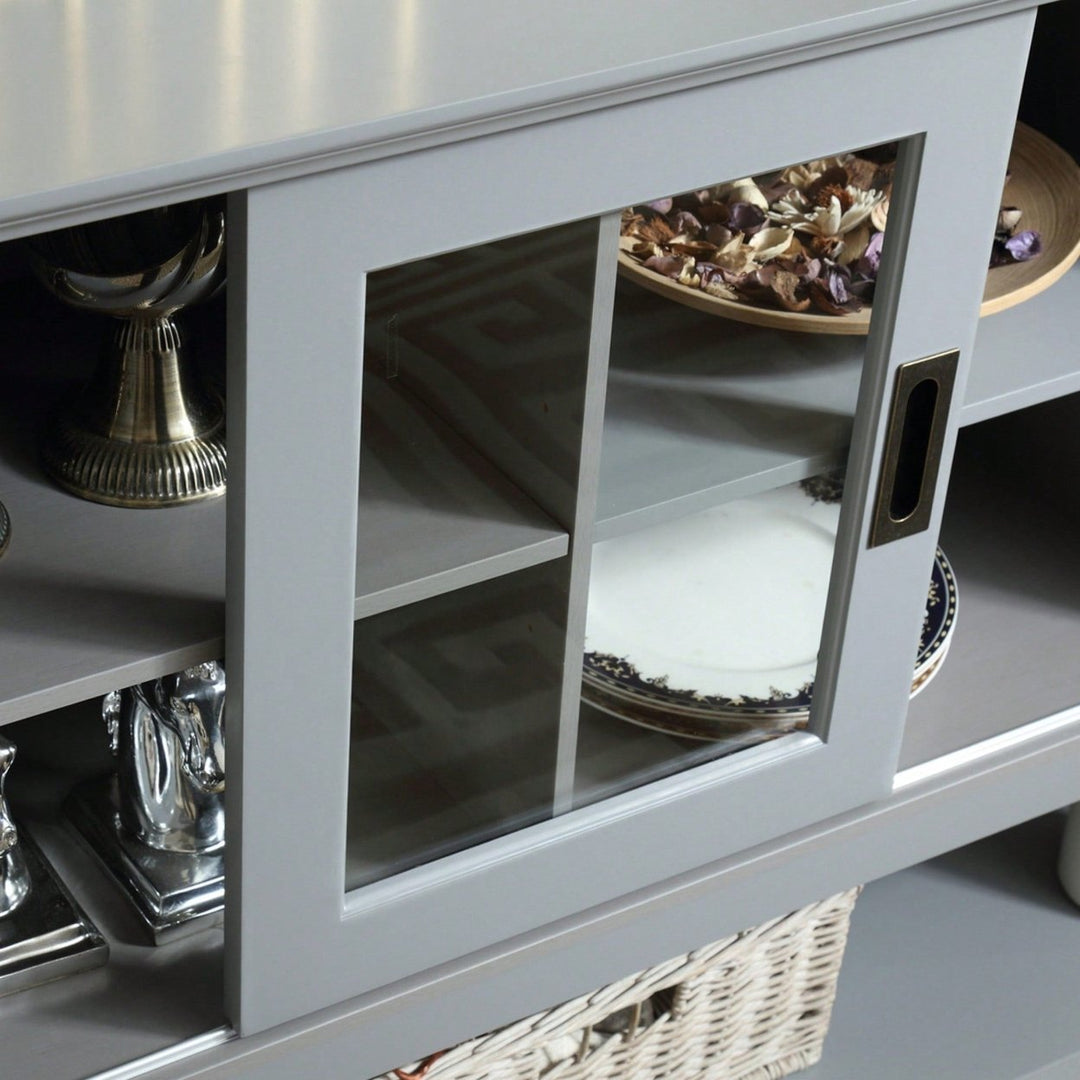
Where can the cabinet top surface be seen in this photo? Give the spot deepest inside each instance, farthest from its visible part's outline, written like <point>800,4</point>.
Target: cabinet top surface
<point>109,100</point>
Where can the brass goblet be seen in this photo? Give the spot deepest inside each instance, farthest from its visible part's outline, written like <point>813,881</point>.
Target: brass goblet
<point>143,432</point>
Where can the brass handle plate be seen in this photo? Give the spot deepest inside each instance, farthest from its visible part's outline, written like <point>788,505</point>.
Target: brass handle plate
<point>920,408</point>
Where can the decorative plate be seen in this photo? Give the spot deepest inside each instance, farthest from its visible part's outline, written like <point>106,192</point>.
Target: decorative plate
<point>1044,182</point>
<point>709,626</point>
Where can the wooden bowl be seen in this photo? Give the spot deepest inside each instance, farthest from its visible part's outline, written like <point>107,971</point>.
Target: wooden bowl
<point>1044,182</point>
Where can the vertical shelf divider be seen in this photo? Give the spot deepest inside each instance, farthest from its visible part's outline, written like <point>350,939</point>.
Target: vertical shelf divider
<point>583,525</point>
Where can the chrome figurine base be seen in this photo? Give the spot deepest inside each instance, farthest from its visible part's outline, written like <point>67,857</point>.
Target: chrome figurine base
<point>49,936</point>
<point>5,528</point>
<point>174,893</point>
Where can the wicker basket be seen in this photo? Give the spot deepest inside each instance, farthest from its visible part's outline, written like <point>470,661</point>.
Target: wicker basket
<point>755,1006</point>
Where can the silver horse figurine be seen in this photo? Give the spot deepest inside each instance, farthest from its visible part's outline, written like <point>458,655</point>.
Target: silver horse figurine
<point>14,874</point>
<point>169,738</point>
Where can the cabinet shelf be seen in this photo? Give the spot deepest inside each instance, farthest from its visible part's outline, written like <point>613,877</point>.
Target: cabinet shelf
<point>434,514</point>
<point>94,597</point>
<point>166,994</point>
<point>701,410</point>
<point>1027,354</point>
<point>962,967</point>
<point>97,597</point>
<point>1011,546</point>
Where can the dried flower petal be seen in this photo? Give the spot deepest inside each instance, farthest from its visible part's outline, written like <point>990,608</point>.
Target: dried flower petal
<point>837,281</point>
<point>745,217</point>
<point>1024,245</point>
<point>712,213</point>
<point>772,242</point>
<point>870,261</point>
<point>661,206</point>
<point>668,265</point>
<point>718,235</point>
<point>832,220</point>
<point>800,176</point>
<point>855,243</point>
<point>712,282</point>
<point>744,190</point>
<point>785,286</point>
<point>682,221</point>
<point>825,299</point>
<point>880,214</point>
<point>695,249</point>
<point>656,231</point>
<point>862,173</point>
<point>1008,218</point>
<point>736,257</point>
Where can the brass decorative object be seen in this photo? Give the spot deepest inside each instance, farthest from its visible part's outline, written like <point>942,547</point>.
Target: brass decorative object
<point>158,823</point>
<point>43,933</point>
<point>143,432</point>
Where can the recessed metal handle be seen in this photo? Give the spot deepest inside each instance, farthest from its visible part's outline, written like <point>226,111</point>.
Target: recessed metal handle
<point>920,408</point>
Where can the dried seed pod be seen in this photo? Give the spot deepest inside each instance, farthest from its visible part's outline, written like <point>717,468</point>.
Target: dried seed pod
<point>1008,218</point>
<point>880,214</point>
<point>772,242</point>
<point>855,244</point>
<point>744,190</point>
<point>784,285</point>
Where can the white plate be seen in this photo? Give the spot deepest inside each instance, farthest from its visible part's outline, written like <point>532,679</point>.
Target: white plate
<point>710,624</point>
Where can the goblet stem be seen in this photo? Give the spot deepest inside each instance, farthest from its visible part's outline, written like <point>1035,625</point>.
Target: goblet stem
<point>143,433</point>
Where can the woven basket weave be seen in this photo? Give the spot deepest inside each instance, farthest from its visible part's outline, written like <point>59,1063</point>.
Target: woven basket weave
<point>754,1006</point>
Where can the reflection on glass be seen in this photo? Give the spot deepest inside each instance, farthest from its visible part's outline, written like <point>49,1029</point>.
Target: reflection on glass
<point>475,374</point>
<point>455,720</point>
<point>737,353</point>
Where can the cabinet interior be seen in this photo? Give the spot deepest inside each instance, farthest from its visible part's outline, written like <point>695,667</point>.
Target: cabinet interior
<point>477,477</point>
<point>1008,527</point>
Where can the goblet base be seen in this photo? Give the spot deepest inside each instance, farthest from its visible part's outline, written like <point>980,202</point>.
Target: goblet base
<point>5,528</point>
<point>135,474</point>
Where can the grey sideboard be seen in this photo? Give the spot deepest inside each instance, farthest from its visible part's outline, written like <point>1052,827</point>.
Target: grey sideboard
<point>442,396</point>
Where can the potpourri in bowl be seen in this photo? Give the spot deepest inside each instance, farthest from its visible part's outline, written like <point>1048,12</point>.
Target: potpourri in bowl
<point>803,242</point>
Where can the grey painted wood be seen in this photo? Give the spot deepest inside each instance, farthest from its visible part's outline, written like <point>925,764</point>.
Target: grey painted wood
<point>586,487</point>
<point>147,998</point>
<point>133,101</point>
<point>93,597</point>
<point>270,607</point>
<point>924,819</point>
<point>433,513</point>
<point>295,371</point>
<point>301,349</point>
<point>701,410</point>
<point>1026,354</point>
<point>965,967</point>
<point>1012,548</point>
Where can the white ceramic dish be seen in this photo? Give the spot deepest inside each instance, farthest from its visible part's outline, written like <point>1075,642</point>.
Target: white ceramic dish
<point>709,625</point>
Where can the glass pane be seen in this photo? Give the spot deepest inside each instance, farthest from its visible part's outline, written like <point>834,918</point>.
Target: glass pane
<point>454,724</point>
<point>738,346</point>
<point>475,366</point>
